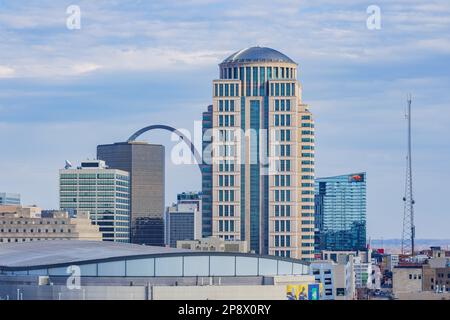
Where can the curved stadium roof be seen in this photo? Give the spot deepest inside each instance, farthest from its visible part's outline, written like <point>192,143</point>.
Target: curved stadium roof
<point>51,253</point>
<point>258,54</point>
<point>54,252</point>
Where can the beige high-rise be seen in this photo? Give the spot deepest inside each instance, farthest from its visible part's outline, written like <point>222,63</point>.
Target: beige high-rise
<point>259,184</point>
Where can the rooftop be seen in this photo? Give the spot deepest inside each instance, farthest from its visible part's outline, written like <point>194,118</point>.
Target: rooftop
<point>52,252</point>
<point>258,54</point>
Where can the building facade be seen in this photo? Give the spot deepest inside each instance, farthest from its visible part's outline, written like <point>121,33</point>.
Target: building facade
<point>146,166</point>
<point>25,224</point>
<point>111,270</point>
<point>259,182</point>
<point>183,220</point>
<point>214,244</point>
<point>340,205</point>
<point>9,199</point>
<point>323,272</point>
<point>104,192</point>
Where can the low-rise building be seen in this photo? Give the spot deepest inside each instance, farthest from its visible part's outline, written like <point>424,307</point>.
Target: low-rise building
<point>363,271</point>
<point>24,224</point>
<point>406,278</point>
<point>392,261</point>
<point>214,244</point>
<point>323,272</point>
<point>182,222</point>
<point>344,280</point>
<point>112,270</point>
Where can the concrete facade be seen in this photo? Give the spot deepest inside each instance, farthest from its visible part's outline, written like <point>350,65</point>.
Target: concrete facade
<point>24,224</point>
<point>214,244</point>
<point>271,288</point>
<point>406,279</point>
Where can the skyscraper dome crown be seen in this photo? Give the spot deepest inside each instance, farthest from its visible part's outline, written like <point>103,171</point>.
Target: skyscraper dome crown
<point>258,54</point>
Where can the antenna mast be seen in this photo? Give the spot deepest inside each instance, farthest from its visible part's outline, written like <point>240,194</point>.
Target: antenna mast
<point>408,214</point>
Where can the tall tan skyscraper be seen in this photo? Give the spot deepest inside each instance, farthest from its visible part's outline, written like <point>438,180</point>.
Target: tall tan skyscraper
<point>258,184</point>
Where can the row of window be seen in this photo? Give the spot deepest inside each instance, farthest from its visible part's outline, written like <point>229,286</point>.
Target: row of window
<point>226,90</point>
<point>226,120</point>
<point>282,195</point>
<point>226,180</point>
<point>282,105</point>
<point>38,230</point>
<point>282,120</point>
<point>282,241</point>
<point>226,210</point>
<point>226,225</point>
<point>30,239</point>
<point>282,226</point>
<point>226,195</point>
<point>226,105</point>
<point>282,89</point>
<point>69,182</point>
<point>88,176</point>
<point>92,188</point>
<point>271,72</point>
<point>43,221</point>
<point>282,180</point>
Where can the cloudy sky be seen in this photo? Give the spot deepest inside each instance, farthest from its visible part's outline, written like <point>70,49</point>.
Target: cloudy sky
<point>135,63</point>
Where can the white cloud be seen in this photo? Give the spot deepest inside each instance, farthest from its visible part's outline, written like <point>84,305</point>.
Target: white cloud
<point>6,72</point>
<point>85,68</point>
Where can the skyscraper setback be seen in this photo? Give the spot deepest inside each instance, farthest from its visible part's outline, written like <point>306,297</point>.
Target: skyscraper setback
<point>258,184</point>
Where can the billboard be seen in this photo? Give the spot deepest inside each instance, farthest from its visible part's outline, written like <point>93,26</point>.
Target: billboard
<point>356,177</point>
<point>312,291</point>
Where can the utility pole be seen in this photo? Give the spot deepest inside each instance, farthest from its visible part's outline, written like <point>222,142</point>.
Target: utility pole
<point>409,231</point>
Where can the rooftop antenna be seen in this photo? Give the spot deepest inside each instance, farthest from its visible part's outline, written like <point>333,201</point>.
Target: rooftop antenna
<point>409,231</point>
<point>68,164</point>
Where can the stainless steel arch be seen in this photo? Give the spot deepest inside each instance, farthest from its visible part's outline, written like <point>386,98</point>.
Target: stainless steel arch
<point>186,140</point>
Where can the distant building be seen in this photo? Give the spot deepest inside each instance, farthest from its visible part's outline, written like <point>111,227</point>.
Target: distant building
<point>214,244</point>
<point>361,271</point>
<point>102,191</point>
<point>24,224</point>
<point>190,198</point>
<point>183,220</point>
<point>344,279</point>
<point>340,212</point>
<point>323,273</point>
<point>392,261</point>
<point>337,278</point>
<point>425,279</point>
<point>9,199</point>
<point>146,165</point>
<point>407,278</point>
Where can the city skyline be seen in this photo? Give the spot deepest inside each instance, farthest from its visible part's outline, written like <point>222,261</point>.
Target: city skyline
<point>83,87</point>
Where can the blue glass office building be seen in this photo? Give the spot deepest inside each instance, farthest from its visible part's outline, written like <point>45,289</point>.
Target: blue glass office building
<point>9,198</point>
<point>340,212</point>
